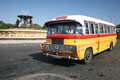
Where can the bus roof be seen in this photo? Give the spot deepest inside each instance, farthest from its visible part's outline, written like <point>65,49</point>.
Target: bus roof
<point>80,19</point>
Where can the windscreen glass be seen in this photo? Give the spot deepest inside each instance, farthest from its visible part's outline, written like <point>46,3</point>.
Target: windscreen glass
<point>65,28</point>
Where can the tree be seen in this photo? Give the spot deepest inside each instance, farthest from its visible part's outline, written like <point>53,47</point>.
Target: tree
<point>45,28</point>
<point>4,25</point>
<point>36,26</point>
<point>118,26</point>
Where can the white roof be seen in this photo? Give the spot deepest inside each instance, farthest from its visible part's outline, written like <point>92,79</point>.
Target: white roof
<point>81,19</point>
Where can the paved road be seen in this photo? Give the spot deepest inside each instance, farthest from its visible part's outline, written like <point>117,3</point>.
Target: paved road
<point>18,60</point>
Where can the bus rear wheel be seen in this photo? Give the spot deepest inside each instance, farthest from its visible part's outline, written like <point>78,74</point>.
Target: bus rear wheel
<point>111,46</point>
<point>88,56</point>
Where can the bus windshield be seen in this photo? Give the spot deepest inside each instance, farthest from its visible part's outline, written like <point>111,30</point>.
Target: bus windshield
<point>65,28</point>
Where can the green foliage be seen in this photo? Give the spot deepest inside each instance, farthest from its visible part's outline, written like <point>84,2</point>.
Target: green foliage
<point>36,26</point>
<point>118,26</point>
<point>4,25</point>
<point>45,28</point>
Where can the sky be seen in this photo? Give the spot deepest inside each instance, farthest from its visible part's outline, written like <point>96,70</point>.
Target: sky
<point>45,10</point>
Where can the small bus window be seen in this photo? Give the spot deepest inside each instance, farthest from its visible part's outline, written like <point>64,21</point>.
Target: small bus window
<point>105,28</point>
<point>108,29</point>
<point>101,28</point>
<point>86,28</point>
<point>92,28</point>
<point>96,29</point>
<point>112,29</point>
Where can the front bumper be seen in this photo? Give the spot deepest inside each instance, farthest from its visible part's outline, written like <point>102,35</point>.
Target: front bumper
<point>66,51</point>
<point>58,47</point>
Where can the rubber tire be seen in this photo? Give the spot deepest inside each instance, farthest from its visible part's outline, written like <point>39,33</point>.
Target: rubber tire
<point>111,47</point>
<point>88,56</point>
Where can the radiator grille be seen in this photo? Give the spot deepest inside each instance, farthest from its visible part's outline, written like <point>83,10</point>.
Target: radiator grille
<point>57,41</point>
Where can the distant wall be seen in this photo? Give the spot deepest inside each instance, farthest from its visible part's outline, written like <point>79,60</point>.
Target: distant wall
<point>22,34</point>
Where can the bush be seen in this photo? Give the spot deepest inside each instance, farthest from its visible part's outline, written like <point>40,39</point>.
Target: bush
<point>4,25</point>
<point>36,26</point>
<point>118,26</point>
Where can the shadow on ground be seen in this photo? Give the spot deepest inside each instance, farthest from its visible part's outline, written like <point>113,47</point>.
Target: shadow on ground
<point>55,61</point>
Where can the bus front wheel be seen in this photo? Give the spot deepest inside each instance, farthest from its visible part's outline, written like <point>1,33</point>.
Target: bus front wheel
<point>88,56</point>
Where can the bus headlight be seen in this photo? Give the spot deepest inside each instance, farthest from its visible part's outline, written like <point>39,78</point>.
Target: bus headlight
<point>45,46</point>
<point>70,48</point>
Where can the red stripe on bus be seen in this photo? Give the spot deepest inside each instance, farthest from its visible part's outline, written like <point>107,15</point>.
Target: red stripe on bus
<point>77,36</point>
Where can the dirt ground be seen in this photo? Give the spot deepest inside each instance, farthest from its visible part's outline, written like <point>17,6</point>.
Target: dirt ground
<point>25,59</point>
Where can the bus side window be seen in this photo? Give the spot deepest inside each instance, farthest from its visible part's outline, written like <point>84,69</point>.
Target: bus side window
<point>108,29</point>
<point>96,29</point>
<point>91,28</point>
<point>101,28</point>
<point>105,28</point>
<point>86,28</point>
<point>112,29</point>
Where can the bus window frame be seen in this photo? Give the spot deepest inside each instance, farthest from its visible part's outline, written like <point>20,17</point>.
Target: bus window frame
<point>90,27</point>
<point>101,28</point>
<point>86,27</point>
<point>96,28</point>
<point>107,29</point>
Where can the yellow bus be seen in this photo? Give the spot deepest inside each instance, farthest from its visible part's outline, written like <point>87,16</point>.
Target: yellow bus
<point>78,37</point>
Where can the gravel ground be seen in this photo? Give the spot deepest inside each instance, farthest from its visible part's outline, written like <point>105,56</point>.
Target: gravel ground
<point>17,60</point>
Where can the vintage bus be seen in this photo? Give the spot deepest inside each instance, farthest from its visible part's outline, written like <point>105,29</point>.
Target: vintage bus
<point>78,37</point>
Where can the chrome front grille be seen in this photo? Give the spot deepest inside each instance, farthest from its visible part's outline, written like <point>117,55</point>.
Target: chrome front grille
<point>57,41</point>
<point>56,47</point>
